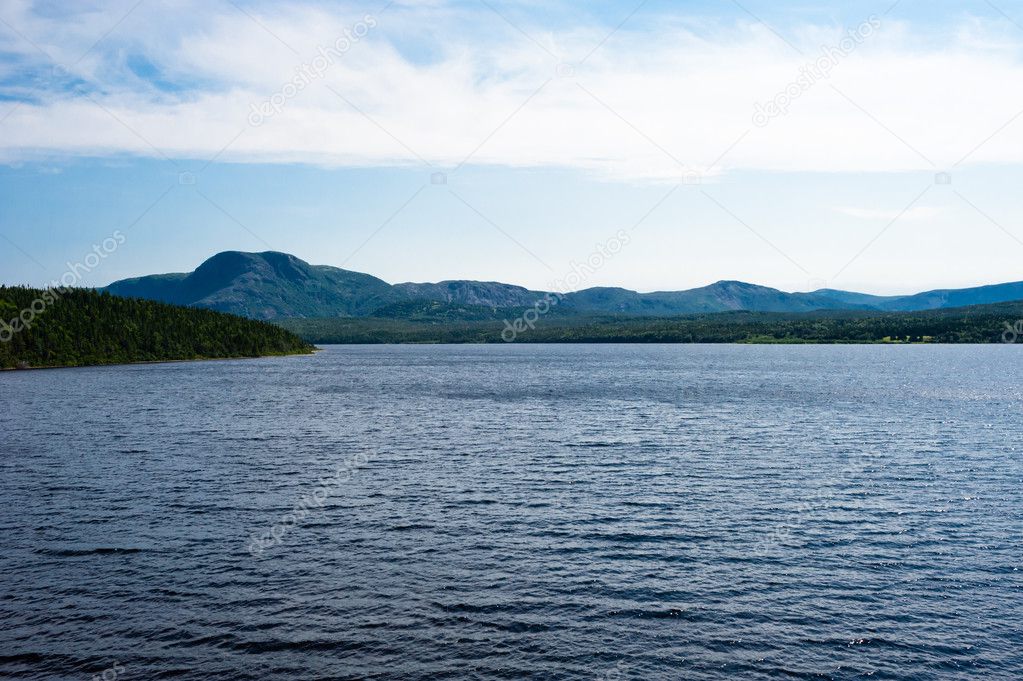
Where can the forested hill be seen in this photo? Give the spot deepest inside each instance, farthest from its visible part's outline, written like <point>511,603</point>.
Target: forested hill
<point>1001,323</point>
<point>81,327</point>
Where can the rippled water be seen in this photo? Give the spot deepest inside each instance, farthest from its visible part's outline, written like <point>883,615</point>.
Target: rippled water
<point>548,512</point>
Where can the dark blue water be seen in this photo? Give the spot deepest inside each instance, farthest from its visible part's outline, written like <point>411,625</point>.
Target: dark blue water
<point>546,512</point>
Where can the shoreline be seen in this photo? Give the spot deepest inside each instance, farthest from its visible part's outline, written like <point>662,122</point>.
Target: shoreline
<point>620,342</point>
<point>314,351</point>
<point>650,342</point>
<point>317,349</point>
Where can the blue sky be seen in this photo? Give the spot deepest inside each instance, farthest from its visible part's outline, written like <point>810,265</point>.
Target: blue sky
<point>795,145</point>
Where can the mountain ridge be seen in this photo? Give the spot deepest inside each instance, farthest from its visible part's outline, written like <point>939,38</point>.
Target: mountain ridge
<point>274,285</point>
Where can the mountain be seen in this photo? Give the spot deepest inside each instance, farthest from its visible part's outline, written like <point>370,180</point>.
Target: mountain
<point>485,293</point>
<point>265,286</point>
<point>278,286</point>
<point>929,300</point>
<point>849,299</point>
<point>723,296</point>
<point>948,298</point>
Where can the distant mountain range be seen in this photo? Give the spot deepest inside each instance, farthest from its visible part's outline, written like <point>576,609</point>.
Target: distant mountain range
<point>278,286</point>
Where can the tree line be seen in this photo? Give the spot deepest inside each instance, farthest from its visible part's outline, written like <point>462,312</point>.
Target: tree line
<point>978,324</point>
<point>80,327</point>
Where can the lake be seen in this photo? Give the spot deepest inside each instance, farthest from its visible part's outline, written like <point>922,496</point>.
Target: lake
<point>507,512</point>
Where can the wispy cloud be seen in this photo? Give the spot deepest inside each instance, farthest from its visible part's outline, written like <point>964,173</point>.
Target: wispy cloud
<point>181,80</point>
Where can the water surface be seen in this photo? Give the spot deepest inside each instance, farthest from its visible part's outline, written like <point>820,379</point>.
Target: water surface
<point>507,512</point>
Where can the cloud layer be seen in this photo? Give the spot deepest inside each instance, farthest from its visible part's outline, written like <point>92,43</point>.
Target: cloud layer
<point>661,99</point>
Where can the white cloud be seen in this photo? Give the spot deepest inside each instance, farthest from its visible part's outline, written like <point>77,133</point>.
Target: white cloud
<point>646,102</point>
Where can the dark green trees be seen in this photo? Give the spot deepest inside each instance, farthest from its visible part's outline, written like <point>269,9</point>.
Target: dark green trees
<point>78,327</point>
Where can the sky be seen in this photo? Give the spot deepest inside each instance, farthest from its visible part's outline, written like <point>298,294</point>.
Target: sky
<point>870,146</point>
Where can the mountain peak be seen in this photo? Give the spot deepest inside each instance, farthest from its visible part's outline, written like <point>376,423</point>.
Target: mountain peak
<point>265,285</point>
<point>735,283</point>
